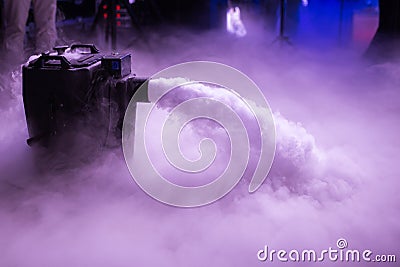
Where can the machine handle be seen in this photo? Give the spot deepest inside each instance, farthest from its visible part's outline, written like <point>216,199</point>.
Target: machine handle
<point>60,49</point>
<point>43,61</point>
<point>92,47</point>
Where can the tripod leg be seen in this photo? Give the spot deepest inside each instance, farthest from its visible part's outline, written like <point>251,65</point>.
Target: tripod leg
<point>282,22</point>
<point>98,15</point>
<point>107,30</point>
<point>281,38</point>
<point>113,23</point>
<point>128,7</point>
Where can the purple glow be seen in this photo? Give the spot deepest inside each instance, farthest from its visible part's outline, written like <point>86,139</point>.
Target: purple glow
<point>336,173</point>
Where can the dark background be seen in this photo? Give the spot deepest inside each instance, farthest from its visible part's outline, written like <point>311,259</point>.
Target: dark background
<point>209,14</point>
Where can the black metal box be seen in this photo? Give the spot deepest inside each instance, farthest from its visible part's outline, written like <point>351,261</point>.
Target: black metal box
<point>55,88</point>
<point>77,89</point>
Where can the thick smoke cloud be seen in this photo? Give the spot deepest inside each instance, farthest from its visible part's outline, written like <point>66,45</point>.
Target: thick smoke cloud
<point>335,173</point>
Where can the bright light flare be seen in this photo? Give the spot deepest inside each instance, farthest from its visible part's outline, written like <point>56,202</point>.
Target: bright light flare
<point>234,24</point>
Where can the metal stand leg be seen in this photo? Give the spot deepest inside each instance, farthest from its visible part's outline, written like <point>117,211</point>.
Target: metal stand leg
<point>111,25</point>
<point>281,38</point>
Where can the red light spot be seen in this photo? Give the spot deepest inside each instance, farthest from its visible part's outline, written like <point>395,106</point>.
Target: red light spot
<point>118,23</point>
<point>118,15</point>
<point>105,15</point>
<point>118,7</point>
<point>104,6</point>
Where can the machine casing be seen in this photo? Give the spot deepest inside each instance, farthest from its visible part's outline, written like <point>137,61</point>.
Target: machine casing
<point>62,88</point>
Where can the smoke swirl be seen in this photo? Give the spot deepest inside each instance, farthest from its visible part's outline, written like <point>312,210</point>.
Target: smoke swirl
<point>207,126</point>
